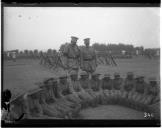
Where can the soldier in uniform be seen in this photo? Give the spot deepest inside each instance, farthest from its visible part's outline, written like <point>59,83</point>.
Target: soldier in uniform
<point>49,96</point>
<point>85,84</point>
<point>34,108</point>
<point>140,91</point>
<point>153,90</point>
<point>107,86</point>
<point>129,85</point>
<point>66,91</point>
<point>77,89</point>
<point>117,87</point>
<point>72,53</point>
<point>88,57</point>
<point>95,84</point>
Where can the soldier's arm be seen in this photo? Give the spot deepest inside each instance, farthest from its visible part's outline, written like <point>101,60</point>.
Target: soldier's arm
<point>81,58</point>
<point>80,87</point>
<point>65,51</point>
<point>145,89</point>
<point>100,85</point>
<point>95,57</point>
<point>59,89</point>
<point>122,85</point>
<point>70,86</point>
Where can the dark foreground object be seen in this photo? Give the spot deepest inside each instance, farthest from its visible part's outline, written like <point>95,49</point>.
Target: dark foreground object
<point>61,123</point>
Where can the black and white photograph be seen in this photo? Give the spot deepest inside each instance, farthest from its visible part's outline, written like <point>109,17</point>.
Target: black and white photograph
<point>80,63</point>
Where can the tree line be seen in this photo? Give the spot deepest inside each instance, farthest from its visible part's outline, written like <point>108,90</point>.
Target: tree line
<point>113,49</point>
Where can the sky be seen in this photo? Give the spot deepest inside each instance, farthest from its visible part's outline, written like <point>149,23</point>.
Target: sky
<point>49,27</point>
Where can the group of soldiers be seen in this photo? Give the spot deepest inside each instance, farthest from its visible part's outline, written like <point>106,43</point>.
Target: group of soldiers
<point>64,97</point>
<point>83,58</point>
<point>71,57</point>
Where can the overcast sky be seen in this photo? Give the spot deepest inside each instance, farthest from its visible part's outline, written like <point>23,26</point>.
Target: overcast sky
<point>48,27</point>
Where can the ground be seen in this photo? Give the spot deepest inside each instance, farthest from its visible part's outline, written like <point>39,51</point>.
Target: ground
<point>21,76</point>
<point>111,112</point>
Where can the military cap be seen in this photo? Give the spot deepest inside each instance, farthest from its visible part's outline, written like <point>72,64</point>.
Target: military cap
<point>95,74</point>
<point>73,73</point>
<point>152,79</point>
<point>47,80</point>
<point>73,38</point>
<point>116,74</point>
<point>106,75</point>
<point>63,76</point>
<point>86,39</point>
<point>83,73</point>
<point>130,73</point>
<point>139,77</point>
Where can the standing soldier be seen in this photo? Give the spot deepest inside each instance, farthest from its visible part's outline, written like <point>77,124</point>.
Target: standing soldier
<point>14,56</point>
<point>72,53</point>
<point>88,57</point>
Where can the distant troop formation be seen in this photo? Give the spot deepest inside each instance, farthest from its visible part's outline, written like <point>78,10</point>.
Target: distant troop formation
<point>64,97</point>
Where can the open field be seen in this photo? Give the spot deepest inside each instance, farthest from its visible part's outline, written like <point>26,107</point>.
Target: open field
<point>21,76</point>
<point>111,112</point>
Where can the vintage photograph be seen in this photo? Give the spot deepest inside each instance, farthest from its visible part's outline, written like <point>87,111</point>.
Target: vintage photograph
<point>81,63</point>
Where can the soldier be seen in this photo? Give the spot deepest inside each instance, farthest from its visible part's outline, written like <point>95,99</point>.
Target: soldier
<point>107,86</point>
<point>129,85</point>
<point>85,84</point>
<point>34,107</point>
<point>65,91</point>
<point>77,89</point>
<point>48,96</point>
<point>140,91</point>
<point>88,57</point>
<point>117,86</point>
<point>95,84</point>
<point>72,53</point>
<point>153,90</point>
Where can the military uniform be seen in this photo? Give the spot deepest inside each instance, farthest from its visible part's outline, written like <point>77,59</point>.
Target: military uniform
<point>67,93</point>
<point>129,85</point>
<point>107,86</point>
<point>117,86</point>
<point>140,88</point>
<point>95,84</point>
<point>49,100</point>
<point>153,91</point>
<point>72,53</point>
<point>88,58</point>
<point>85,84</point>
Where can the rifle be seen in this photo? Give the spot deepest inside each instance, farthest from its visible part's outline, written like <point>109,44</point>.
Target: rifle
<point>112,59</point>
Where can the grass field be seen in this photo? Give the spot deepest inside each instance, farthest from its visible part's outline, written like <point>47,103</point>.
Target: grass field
<point>21,76</point>
<point>111,112</point>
